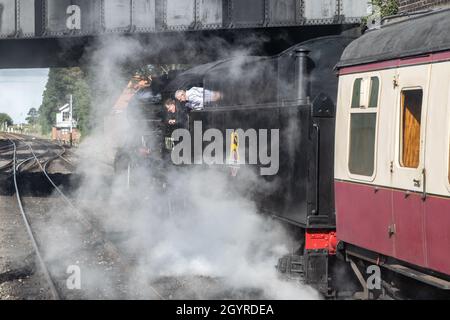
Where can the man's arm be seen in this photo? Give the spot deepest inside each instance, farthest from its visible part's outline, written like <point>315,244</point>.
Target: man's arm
<point>212,96</point>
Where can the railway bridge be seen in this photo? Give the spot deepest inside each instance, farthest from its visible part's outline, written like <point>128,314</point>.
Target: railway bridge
<point>42,33</point>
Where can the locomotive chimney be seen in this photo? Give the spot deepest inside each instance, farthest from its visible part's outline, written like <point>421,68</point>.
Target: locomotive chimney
<point>301,75</point>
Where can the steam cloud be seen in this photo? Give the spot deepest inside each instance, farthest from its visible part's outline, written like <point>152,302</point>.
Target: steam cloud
<point>199,229</point>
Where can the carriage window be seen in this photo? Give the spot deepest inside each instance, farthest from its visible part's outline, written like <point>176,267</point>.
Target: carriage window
<point>356,97</point>
<point>374,88</point>
<point>362,143</point>
<point>411,113</point>
<point>363,127</point>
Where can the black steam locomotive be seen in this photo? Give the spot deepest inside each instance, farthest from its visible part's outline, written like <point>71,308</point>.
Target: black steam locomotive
<point>293,95</point>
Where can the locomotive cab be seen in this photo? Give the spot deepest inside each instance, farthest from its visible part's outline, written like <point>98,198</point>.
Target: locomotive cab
<point>143,145</point>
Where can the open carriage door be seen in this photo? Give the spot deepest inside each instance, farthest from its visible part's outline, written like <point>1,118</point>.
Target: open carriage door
<point>408,164</point>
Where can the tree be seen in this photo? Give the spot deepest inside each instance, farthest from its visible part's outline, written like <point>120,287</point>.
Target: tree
<point>381,9</point>
<point>32,116</point>
<point>5,118</point>
<point>62,82</point>
<point>387,7</point>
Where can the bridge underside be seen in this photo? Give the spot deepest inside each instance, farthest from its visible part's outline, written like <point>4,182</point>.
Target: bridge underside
<point>40,33</point>
<point>177,47</point>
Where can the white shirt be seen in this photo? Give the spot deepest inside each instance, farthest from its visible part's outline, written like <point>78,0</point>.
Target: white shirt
<point>194,97</point>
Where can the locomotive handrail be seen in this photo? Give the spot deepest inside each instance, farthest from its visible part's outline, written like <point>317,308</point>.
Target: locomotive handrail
<point>249,107</point>
<point>317,128</point>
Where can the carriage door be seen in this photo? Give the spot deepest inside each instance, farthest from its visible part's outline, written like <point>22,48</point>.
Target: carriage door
<point>407,167</point>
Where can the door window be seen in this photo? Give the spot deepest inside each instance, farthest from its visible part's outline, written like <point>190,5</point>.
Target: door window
<point>411,121</point>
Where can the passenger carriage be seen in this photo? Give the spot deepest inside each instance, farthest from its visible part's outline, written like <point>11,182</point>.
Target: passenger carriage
<point>392,175</point>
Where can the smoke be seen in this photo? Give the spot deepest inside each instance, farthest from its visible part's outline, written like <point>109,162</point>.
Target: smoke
<point>198,231</point>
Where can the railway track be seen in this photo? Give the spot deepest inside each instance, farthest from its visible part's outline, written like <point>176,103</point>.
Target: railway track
<point>40,156</point>
<point>36,158</point>
<point>41,262</point>
<point>17,166</point>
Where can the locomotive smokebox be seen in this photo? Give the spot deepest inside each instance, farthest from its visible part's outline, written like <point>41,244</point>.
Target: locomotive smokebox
<point>301,75</point>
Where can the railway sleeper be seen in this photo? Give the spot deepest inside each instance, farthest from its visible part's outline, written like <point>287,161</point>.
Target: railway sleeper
<point>20,270</point>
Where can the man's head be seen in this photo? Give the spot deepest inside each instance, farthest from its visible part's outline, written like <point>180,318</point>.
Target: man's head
<point>170,105</point>
<point>180,95</point>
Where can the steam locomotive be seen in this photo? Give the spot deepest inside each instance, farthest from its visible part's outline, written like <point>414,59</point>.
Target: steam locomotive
<point>362,181</point>
<point>295,94</point>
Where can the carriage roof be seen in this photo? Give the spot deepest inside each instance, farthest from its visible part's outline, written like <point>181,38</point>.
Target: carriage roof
<point>418,35</point>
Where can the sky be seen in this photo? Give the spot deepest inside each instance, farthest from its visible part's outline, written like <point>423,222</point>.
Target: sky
<point>20,90</point>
